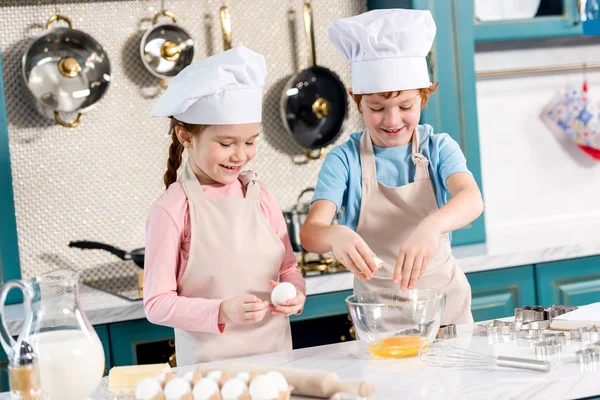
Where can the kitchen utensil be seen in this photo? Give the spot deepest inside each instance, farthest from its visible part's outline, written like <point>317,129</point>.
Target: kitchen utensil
<point>495,328</point>
<point>547,349</point>
<point>225,27</point>
<point>166,48</point>
<point>309,383</point>
<point>445,355</point>
<point>394,323</point>
<point>446,332</point>
<point>69,352</point>
<point>529,313</point>
<point>295,218</point>
<point>585,334</point>
<point>314,102</point>
<point>137,255</point>
<point>65,71</point>
<point>561,337</point>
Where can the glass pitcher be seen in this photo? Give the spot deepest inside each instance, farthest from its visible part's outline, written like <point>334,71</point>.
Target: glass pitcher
<point>70,354</point>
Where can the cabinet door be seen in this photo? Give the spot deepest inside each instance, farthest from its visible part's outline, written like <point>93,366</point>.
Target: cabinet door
<point>495,294</point>
<point>9,251</point>
<point>574,282</point>
<point>140,342</point>
<point>102,332</point>
<point>322,331</point>
<point>453,107</point>
<point>323,305</point>
<point>554,18</point>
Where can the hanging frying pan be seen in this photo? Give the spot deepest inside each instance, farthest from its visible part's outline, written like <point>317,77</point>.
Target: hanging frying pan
<point>137,255</point>
<point>314,103</point>
<point>166,48</point>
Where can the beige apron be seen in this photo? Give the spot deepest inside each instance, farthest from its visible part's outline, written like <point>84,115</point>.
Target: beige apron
<point>388,215</point>
<point>234,251</point>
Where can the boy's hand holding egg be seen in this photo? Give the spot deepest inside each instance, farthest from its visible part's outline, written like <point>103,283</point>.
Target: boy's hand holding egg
<point>286,298</point>
<point>247,309</point>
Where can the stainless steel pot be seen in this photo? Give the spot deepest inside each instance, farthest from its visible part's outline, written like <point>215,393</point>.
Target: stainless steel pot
<point>66,71</point>
<point>166,48</point>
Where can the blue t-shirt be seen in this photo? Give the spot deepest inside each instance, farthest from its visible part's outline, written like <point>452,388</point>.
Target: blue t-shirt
<point>340,178</point>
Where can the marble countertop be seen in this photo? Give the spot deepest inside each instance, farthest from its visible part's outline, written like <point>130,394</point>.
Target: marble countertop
<point>103,308</point>
<point>413,379</point>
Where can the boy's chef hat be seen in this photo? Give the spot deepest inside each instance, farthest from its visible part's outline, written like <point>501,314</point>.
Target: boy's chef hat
<point>219,90</point>
<point>387,48</point>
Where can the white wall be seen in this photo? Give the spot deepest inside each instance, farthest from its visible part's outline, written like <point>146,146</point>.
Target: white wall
<point>539,188</point>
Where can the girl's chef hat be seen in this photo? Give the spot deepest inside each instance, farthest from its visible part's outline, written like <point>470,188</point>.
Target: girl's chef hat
<point>219,90</point>
<point>387,48</point>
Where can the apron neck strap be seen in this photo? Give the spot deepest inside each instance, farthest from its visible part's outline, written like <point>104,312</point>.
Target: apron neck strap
<point>367,157</point>
<point>251,185</point>
<point>190,182</point>
<point>421,162</point>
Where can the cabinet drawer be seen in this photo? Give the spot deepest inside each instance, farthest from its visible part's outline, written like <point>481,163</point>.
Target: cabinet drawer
<point>495,294</point>
<point>575,282</point>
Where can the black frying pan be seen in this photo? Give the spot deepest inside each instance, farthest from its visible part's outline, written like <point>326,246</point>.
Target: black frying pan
<point>314,103</point>
<point>136,255</point>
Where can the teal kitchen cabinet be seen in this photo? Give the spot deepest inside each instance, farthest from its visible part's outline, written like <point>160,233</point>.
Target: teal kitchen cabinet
<point>573,282</point>
<point>323,305</point>
<point>141,342</point>
<point>453,107</point>
<point>495,294</point>
<point>564,21</point>
<point>102,332</point>
<point>9,251</point>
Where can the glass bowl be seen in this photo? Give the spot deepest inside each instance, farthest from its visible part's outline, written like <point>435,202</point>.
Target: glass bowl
<point>395,323</point>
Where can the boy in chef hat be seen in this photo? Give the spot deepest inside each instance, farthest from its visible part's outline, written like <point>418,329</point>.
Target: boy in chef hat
<point>392,179</point>
<point>216,240</point>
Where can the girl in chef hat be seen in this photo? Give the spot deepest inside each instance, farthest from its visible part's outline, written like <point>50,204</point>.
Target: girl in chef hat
<point>216,240</point>
<point>392,179</point>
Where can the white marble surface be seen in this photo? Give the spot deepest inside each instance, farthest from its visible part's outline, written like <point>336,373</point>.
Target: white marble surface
<point>102,308</point>
<point>413,379</point>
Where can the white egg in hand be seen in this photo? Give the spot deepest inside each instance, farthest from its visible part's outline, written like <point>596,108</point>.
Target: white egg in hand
<point>147,388</point>
<point>204,389</point>
<point>283,292</point>
<point>233,389</point>
<point>177,388</point>
<point>279,380</point>
<point>263,388</point>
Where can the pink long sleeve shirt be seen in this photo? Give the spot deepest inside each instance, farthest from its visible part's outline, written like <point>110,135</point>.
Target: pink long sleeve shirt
<point>167,251</point>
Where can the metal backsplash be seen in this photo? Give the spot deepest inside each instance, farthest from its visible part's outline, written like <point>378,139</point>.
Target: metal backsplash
<point>97,181</point>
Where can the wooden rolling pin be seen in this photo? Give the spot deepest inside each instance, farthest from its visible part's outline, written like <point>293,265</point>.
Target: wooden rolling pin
<point>313,383</point>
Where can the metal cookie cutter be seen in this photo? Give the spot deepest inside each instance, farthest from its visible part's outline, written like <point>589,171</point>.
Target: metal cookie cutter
<point>560,337</point>
<point>446,332</point>
<point>536,325</point>
<point>548,349</point>
<point>588,334</point>
<point>556,310</point>
<point>496,327</point>
<point>529,313</point>
<point>589,358</point>
<point>525,334</point>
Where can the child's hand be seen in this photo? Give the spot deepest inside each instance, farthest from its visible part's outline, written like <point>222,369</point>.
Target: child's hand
<point>247,309</point>
<point>415,254</point>
<point>352,251</point>
<point>292,306</point>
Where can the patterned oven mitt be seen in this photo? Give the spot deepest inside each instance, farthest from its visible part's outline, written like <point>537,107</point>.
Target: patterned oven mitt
<point>572,114</point>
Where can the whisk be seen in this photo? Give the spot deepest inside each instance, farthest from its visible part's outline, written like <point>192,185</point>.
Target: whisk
<point>450,356</point>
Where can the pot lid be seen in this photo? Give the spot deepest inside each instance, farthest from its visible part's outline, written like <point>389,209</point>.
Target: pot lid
<point>166,49</point>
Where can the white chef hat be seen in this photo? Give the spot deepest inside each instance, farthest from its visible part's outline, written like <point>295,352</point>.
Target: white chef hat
<point>219,90</point>
<point>387,48</point>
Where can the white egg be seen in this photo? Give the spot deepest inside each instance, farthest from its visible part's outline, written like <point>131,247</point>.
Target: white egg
<point>176,388</point>
<point>378,262</point>
<point>233,388</point>
<point>245,376</point>
<point>215,375</point>
<point>283,292</point>
<point>279,380</point>
<point>204,389</point>
<point>147,388</point>
<point>188,376</point>
<point>263,388</point>
<point>160,378</point>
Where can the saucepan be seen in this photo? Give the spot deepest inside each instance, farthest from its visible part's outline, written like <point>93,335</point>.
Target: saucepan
<point>136,255</point>
<point>166,48</point>
<point>66,71</point>
<point>314,103</point>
